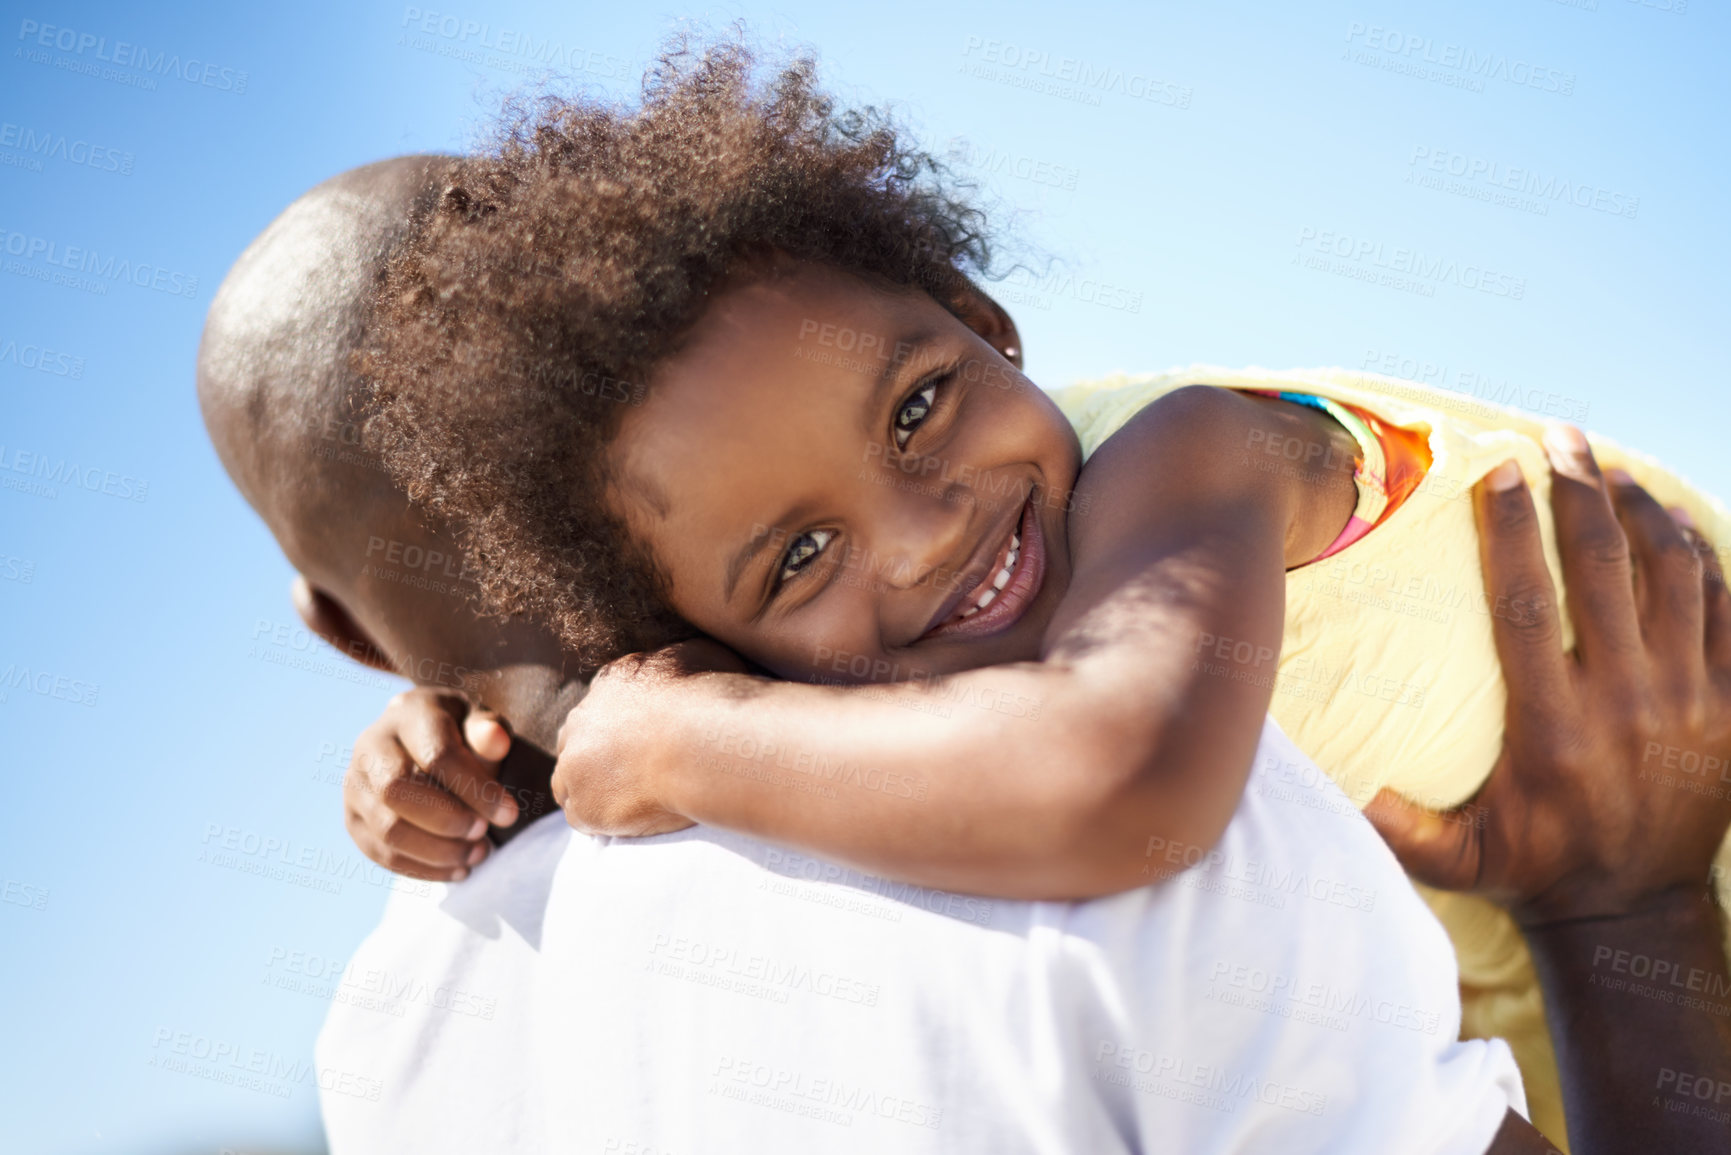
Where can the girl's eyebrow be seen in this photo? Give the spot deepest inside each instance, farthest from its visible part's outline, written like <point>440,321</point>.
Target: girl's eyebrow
<point>907,350</point>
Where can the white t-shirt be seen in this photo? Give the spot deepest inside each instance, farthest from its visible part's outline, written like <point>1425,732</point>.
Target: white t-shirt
<point>705,992</point>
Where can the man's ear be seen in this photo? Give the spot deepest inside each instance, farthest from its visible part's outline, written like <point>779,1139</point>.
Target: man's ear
<point>989,319</point>
<point>326,617</point>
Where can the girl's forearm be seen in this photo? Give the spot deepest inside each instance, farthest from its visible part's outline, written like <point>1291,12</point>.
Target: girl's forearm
<point>922,782</point>
<point>1038,780</point>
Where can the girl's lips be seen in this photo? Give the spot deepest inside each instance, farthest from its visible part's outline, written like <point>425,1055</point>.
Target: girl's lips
<point>1017,595</point>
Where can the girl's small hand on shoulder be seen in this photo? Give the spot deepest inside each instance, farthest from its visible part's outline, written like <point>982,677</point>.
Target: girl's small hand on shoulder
<point>618,746</point>
<point>423,783</point>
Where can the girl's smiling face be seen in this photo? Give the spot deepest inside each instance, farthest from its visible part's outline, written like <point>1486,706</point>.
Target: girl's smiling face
<point>846,482</point>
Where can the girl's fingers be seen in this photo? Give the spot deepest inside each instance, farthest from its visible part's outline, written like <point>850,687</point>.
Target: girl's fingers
<point>415,845</point>
<point>425,804</point>
<point>486,735</point>
<point>384,781</point>
<point>395,843</point>
<point>430,732</point>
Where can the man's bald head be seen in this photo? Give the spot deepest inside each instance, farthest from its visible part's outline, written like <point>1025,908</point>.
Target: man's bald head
<point>284,406</point>
<point>274,379</point>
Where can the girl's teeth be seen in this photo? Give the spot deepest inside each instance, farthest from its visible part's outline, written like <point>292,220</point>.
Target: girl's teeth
<point>1002,580</point>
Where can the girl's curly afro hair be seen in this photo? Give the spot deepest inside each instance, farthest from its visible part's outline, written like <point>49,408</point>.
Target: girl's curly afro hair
<point>528,310</point>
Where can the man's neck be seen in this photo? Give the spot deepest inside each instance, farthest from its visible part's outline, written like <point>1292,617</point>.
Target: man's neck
<point>532,698</point>
<point>534,701</point>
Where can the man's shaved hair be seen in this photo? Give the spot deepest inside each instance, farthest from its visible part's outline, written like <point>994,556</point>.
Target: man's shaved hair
<point>279,396</point>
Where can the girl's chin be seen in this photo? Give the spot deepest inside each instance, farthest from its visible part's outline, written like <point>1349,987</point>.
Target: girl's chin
<point>1018,643</point>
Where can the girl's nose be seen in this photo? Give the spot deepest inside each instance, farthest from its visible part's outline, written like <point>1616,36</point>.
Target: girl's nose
<point>922,535</point>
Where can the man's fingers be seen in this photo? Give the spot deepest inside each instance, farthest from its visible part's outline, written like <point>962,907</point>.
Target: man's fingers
<point>1716,601</point>
<point>1594,551</point>
<point>1671,597</point>
<point>1518,586</point>
<point>1438,848</point>
<point>435,741</point>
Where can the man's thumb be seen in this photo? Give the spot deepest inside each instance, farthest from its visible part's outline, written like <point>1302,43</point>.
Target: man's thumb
<point>1438,848</point>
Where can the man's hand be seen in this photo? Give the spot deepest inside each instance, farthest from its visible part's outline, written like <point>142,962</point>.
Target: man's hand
<point>1604,812</point>
<point>423,785</point>
<point>609,755</point>
<point>1614,783</point>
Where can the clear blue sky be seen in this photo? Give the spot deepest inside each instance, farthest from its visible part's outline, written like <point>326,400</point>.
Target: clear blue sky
<point>1526,198</point>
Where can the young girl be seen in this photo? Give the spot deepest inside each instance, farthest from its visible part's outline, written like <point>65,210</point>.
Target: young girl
<point>714,366</point>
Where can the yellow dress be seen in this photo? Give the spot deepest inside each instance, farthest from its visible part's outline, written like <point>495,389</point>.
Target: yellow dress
<point>1388,675</point>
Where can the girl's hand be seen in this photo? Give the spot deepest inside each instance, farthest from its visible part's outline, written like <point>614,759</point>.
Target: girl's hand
<point>614,748</point>
<point>423,783</point>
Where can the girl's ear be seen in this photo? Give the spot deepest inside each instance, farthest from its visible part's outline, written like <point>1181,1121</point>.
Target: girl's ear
<point>988,318</point>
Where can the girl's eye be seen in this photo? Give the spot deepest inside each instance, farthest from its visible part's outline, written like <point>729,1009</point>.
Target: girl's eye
<point>801,550</point>
<point>914,411</point>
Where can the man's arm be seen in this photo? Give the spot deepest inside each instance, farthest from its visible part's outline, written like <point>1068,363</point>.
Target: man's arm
<point>1519,1137</point>
<point>1647,1056</point>
<point>1035,780</point>
<point>1602,817</point>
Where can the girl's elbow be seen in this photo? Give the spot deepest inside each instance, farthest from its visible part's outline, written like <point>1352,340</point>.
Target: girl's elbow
<point>1144,836</point>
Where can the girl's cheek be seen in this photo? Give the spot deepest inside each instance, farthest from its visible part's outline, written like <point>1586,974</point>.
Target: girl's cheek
<point>806,666</point>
